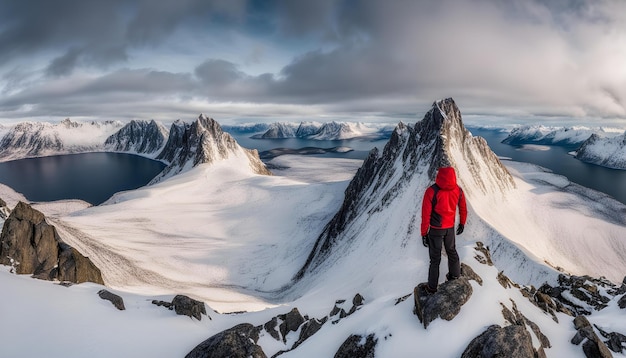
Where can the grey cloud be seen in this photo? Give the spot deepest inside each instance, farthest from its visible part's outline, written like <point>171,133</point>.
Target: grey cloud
<point>215,72</point>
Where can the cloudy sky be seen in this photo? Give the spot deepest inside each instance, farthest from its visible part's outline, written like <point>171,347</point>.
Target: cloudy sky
<point>544,61</point>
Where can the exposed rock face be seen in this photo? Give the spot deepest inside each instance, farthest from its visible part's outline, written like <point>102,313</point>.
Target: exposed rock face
<point>138,137</point>
<point>116,300</point>
<point>407,165</point>
<point>4,210</point>
<point>496,341</point>
<point>203,141</point>
<point>353,348</point>
<point>32,246</point>
<point>279,130</point>
<point>239,341</point>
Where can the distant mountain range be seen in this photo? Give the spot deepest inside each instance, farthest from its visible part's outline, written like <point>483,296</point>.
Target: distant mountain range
<point>600,146</point>
<point>320,131</point>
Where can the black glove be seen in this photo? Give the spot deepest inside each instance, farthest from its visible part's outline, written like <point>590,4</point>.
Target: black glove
<point>425,240</point>
<point>459,229</point>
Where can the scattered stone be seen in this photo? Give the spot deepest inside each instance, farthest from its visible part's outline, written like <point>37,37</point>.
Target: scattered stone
<point>445,303</point>
<point>184,305</point>
<point>32,246</point>
<point>402,299</point>
<point>505,281</point>
<point>510,341</point>
<point>238,341</point>
<point>309,328</point>
<point>615,340</point>
<point>515,317</point>
<point>468,272</point>
<point>486,255</point>
<point>358,347</point>
<point>167,305</point>
<point>593,345</point>
<point>116,300</point>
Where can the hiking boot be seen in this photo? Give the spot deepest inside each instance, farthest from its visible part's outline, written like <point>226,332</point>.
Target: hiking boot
<point>450,277</point>
<point>427,289</point>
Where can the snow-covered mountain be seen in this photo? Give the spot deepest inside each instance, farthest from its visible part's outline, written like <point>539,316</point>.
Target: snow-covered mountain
<point>307,129</point>
<point>606,151</point>
<point>326,131</point>
<point>203,141</point>
<point>279,130</point>
<point>35,139</point>
<point>390,184</point>
<point>235,240</point>
<point>141,137</point>
<point>539,134</point>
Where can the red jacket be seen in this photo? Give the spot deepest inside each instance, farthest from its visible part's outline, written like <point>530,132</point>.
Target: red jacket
<point>449,196</point>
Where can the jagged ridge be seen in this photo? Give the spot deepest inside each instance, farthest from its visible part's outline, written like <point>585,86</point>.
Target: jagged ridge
<point>138,136</point>
<point>202,141</point>
<point>407,165</point>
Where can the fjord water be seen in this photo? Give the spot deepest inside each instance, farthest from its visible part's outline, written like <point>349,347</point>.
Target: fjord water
<point>92,177</point>
<point>558,159</point>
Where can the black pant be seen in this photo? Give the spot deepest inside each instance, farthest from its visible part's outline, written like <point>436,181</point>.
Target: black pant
<point>436,239</point>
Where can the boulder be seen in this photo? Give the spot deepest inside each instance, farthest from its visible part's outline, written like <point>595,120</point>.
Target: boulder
<point>445,303</point>
<point>622,302</point>
<point>357,347</point>
<point>32,246</point>
<point>593,347</point>
<point>116,300</point>
<point>238,341</point>
<point>510,341</point>
<point>186,306</point>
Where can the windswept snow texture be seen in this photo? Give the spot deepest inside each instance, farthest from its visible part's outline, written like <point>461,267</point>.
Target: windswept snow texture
<point>567,136</point>
<point>608,152</point>
<point>37,139</point>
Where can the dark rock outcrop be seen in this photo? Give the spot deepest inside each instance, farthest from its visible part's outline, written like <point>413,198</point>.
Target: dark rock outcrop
<point>138,137</point>
<point>202,141</point>
<point>593,347</point>
<point>239,341</point>
<point>496,341</point>
<point>4,210</point>
<point>32,246</point>
<point>616,341</point>
<point>185,306</point>
<point>116,300</point>
<point>622,302</point>
<point>445,303</point>
<point>353,348</point>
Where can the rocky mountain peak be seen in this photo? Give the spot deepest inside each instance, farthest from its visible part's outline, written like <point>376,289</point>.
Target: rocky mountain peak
<point>203,141</point>
<point>138,136</point>
<point>393,181</point>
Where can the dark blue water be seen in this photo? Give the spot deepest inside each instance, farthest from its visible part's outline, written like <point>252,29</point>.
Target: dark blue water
<point>92,177</point>
<point>557,159</point>
<point>361,147</point>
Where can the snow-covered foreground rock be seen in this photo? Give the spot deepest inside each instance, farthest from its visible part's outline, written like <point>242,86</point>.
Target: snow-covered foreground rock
<point>236,240</point>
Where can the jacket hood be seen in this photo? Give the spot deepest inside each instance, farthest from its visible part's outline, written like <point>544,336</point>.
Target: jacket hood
<point>446,178</point>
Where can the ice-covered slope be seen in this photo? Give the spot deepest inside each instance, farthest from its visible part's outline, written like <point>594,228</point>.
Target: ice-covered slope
<point>35,139</point>
<point>608,151</point>
<point>203,141</point>
<point>141,137</point>
<point>279,130</point>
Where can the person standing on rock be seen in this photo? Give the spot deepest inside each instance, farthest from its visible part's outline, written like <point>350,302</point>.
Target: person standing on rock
<point>438,216</point>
